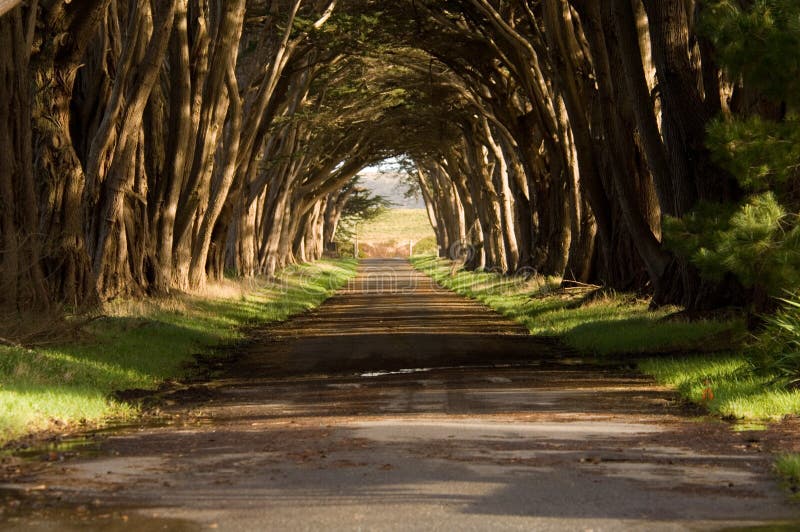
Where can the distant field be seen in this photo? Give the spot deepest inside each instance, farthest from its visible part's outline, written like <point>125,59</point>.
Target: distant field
<point>389,234</point>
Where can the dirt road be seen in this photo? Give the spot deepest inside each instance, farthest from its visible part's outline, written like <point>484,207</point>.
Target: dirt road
<point>399,406</point>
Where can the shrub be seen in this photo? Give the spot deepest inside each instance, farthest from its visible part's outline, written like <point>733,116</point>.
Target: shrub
<point>778,348</point>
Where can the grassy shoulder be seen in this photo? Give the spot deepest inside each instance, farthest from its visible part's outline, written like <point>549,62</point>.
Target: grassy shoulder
<point>738,393</point>
<point>689,356</point>
<point>142,344</point>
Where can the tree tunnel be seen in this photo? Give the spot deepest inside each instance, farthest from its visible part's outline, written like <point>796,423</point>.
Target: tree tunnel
<point>149,146</point>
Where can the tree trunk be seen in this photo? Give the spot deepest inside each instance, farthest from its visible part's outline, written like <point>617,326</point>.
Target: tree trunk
<point>66,30</point>
<point>22,281</point>
<point>219,196</point>
<point>108,273</point>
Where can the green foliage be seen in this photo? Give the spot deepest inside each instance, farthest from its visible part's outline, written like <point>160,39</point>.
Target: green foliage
<point>758,239</point>
<point>354,30</point>
<point>759,43</point>
<point>140,344</point>
<point>777,351</point>
<point>362,206</point>
<point>762,154</point>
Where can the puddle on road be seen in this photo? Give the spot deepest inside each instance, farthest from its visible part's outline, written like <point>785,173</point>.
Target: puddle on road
<point>55,450</point>
<point>89,519</point>
<point>89,444</point>
<point>407,371</point>
<point>398,372</point>
<point>34,507</point>
<point>747,426</point>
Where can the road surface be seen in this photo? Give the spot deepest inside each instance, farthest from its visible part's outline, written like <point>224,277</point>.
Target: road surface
<point>400,406</point>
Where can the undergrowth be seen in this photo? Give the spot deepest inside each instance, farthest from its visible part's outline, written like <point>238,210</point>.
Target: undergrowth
<point>777,351</point>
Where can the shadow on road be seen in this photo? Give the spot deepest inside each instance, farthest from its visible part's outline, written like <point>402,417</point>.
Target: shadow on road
<point>397,405</point>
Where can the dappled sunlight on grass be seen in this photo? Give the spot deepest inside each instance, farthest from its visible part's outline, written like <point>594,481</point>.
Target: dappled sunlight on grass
<point>26,407</point>
<point>619,324</point>
<point>139,344</point>
<point>607,324</point>
<point>738,392</point>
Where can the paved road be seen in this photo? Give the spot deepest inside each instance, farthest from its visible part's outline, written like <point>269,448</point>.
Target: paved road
<point>400,406</point>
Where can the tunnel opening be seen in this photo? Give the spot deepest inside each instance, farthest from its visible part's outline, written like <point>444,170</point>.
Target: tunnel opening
<point>387,216</point>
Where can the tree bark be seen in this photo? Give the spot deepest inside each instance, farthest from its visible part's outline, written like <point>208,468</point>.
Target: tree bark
<point>22,281</point>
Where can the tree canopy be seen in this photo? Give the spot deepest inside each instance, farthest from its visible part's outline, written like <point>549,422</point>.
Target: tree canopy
<point>645,145</point>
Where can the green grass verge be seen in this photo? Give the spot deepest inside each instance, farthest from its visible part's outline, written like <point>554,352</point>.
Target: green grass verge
<point>141,344</point>
<point>788,467</point>
<point>610,324</point>
<point>619,325</point>
<point>738,392</point>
